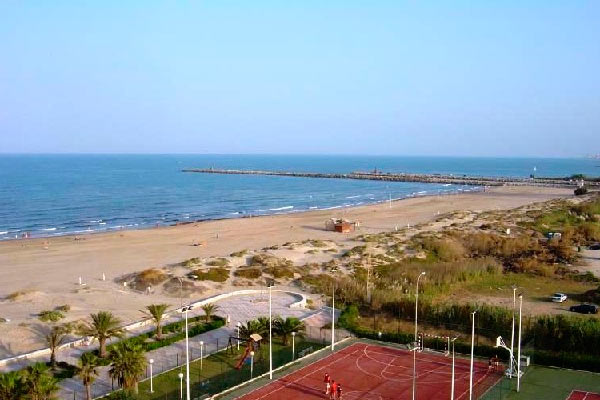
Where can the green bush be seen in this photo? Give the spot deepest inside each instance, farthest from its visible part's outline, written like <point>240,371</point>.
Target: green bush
<point>213,274</point>
<point>249,273</point>
<point>50,316</point>
<point>218,262</point>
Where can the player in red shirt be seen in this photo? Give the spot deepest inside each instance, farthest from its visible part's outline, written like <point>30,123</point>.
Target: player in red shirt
<point>334,387</point>
<point>327,381</point>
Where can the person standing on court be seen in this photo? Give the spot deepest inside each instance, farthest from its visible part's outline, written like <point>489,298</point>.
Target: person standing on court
<point>333,390</point>
<point>339,392</point>
<point>327,381</point>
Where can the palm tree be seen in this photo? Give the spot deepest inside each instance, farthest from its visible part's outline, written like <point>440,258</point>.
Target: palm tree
<point>209,310</point>
<point>128,365</point>
<point>10,386</point>
<point>103,326</point>
<point>252,326</point>
<point>55,337</point>
<point>285,327</point>
<point>157,313</point>
<point>38,383</point>
<point>87,371</point>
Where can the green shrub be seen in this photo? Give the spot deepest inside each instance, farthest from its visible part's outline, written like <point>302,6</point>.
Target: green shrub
<point>213,274</point>
<point>240,253</point>
<point>218,262</point>
<point>50,316</point>
<point>249,273</point>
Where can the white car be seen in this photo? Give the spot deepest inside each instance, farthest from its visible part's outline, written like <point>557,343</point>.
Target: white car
<point>559,297</point>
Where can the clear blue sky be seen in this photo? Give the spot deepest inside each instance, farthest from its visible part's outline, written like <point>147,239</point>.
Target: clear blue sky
<point>494,78</point>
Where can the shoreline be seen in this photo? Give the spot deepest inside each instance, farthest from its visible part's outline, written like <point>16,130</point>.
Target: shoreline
<point>140,227</point>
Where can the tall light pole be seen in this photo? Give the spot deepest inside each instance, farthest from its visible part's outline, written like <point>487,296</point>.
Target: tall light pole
<point>333,319</point>
<point>187,355</point>
<point>512,335</point>
<point>452,385</point>
<point>414,381</point>
<point>519,347</point>
<point>239,324</point>
<point>293,345</point>
<point>201,355</point>
<point>472,351</point>
<point>270,335</point>
<point>151,361</point>
<point>180,385</point>
<point>417,302</point>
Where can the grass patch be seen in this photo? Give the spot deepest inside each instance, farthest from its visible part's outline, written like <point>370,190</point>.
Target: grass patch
<point>214,274</point>
<point>248,273</point>
<point>191,262</point>
<point>240,253</point>
<point>218,262</point>
<point>50,316</point>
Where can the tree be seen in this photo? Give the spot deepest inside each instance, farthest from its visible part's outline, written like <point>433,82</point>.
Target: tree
<point>263,323</point>
<point>37,382</point>
<point>251,327</point>
<point>87,371</point>
<point>55,337</point>
<point>209,310</point>
<point>128,365</point>
<point>10,386</point>
<point>157,313</point>
<point>103,326</point>
<point>285,327</point>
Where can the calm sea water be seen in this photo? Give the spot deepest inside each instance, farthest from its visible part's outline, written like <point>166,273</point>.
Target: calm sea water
<point>50,195</point>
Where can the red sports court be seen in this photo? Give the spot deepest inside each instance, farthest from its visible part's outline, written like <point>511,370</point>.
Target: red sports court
<point>374,372</point>
<point>582,395</point>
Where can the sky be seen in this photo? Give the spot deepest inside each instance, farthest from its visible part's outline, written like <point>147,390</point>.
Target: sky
<point>458,78</point>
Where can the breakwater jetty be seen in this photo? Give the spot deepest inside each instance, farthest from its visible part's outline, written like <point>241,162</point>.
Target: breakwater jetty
<point>406,177</point>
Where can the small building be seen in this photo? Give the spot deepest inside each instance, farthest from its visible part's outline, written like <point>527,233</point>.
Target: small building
<point>340,225</point>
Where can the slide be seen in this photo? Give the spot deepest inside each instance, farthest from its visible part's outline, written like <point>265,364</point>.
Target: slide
<point>244,356</point>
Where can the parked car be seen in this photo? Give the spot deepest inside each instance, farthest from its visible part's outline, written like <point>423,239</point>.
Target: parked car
<point>559,297</point>
<point>584,309</point>
<point>595,246</point>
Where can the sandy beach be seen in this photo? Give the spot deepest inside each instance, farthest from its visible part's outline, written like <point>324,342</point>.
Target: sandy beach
<point>47,271</point>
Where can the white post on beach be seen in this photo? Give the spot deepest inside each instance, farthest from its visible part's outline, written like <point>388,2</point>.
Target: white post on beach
<point>187,355</point>
<point>251,364</point>
<point>270,336</point>
<point>417,302</point>
<point>239,324</point>
<point>512,335</point>
<point>201,355</point>
<point>293,345</point>
<point>103,276</point>
<point>452,385</point>
<point>80,281</point>
<point>472,351</point>
<point>180,385</point>
<point>151,361</point>
<point>333,319</point>
<point>519,347</point>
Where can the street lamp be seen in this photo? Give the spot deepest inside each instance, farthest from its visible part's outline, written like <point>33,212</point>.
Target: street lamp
<point>452,386</point>
<point>512,335</point>
<point>239,325</point>
<point>180,385</point>
<point>151,361</point>
<point>519,347</point>
<point>417,302</point>
<point>270,333</point>
<point>293,345</point>
<point>472,349</point>
<point>201,351</point>
<point>251,364</point>
<point>187,354</point>
<point>414,380</point>
<point>333,318</point>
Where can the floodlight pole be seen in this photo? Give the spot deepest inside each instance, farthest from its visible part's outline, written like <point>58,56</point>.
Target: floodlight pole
<point>151,361</point>
<point>452,385</point>
<point>472,351</point>
<point>239,324</point>
<point>512,335</point>
<point>270,334</point>
<point>417,302</point>
<point>414,383</point>
<point>519,347</point>
<point>187,356</point>
<point>333,319</point>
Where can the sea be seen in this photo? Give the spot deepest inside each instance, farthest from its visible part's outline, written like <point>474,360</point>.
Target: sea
<point>50,195</point>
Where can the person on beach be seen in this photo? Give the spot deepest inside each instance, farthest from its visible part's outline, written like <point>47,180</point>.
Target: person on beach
<point>327,381</point>
<point>333,390</point>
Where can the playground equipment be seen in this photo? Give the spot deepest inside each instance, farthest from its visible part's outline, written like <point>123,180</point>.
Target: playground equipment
<point>252,345</point>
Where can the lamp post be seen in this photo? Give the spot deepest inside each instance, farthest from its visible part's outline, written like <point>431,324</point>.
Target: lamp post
<point>512,335</point>
<point>452,385</point>
<point>472,349</point>
<point>333,318</point>
<point>414,380</point>
<point>151,361</point>
<point>270,334</point>
<point>239,325</point>
<point>417,302</point>
<point>519,347</point>
<point>201,355</point>
<point>180,385</point>
<point>251,364</point>
<point>187,355</point>
<point>293,346</point>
